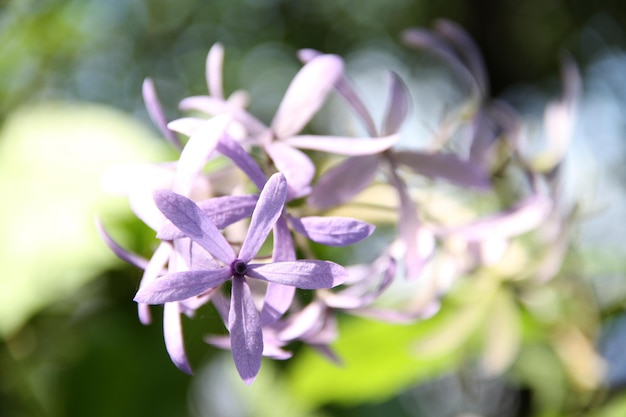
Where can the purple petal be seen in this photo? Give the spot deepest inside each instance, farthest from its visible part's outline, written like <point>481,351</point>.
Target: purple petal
<point>216,106</point>
<point>398,106</point>
<point>306,94</point>
<point>409,229</point>
<point>521,218</point>
<point>173,334</point>
<point>119,251</point>
<point>240,157</point>
<point>200,145</point>
<point>425,39</point>
<point>345,89</point>
<point>186,125</point>
<point>278,298</point>
<point>181,285</point>
<point>268,209</point>
<point>467,48</point>
<point>295,165</point>
<point>192,221</point>
<point>343,145</point>
<point>154,268</point>
<point>304,274</point>
<point>332,231</point>
<point>344,181</point>
<point>246,337</point>
<point>214,63</point>
<point>308,320</point>
<point>222,211</point>
<point>155,111</point>
<point>445,166</point>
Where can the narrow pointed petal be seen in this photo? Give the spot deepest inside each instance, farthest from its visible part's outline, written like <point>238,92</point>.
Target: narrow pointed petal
<point>467,48</point>
<point>521,218</point>
<point>240,157</point>
<point>216,106</point>
<point>191,220</point>
<point>197,150</point>
<point>119,251</point>
<point>214,64</point>
<point>155,111</point>
<point>267,211</point>
<point>306,94</point>
<point>425,39</point>
<point>308,320</point>
<point>332,231</point>
<point>344,181</point>
<point>278,297</point>
<point>445,166</point>
<point>304,274</point>
<point>181,285</point>
<point>397,107</point>
<point>173,334</point>
<point>186,125</point>
<point>346,90</point>
<point>154,268</point>
<point>295,165</point>
<point>222,211</point>
<point>246,337</point>
<point>341,145</point>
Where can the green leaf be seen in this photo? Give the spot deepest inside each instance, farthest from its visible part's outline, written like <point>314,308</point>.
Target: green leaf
<point>51,160</point>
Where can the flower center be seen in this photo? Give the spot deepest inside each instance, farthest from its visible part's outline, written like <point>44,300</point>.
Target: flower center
<point>238,267</point>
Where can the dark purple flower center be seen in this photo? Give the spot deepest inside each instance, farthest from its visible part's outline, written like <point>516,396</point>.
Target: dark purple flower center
<point>238,267</point>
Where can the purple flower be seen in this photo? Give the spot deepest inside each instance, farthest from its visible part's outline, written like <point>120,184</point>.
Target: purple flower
<point>243,321</point>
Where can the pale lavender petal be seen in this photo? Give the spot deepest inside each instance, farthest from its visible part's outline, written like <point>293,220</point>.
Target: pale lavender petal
<point>306,94</point>
<point>345,89</point>
<point>408,225</point>
<point>467,48</point>
<point>222,211</point>
<point>295,165</point>
<point>181,285</point>
<point>240,157</point>
<point>278,297</point>
<point>398,317</point>
<point>267,211</point>
<point>307,54</point>
<point>348,299</point>
<point>308,320</point>
<point>246,337</point>
<point>197,150</point>
<point>186,125</point>
<point>214,63</point>
<point>216,106</point>
<point>425,39</point>
<point>304,274</point>
<point>343,145</point>
<point>344,181</point>
<point>271,350</point>
<point>446,166</point>
<point>173,334</point>
<point>332,231</point>
<point>155,111</point>
<point>521,218</point>
<point>397,107</point>
<point>119,251</point>
<point>154,268</point>
<point>191,220</point>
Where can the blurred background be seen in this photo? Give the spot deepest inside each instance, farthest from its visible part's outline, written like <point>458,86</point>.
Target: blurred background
<point>71,106</point>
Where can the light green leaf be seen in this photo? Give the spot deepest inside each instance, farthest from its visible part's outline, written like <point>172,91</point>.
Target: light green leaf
<point>51,160</point>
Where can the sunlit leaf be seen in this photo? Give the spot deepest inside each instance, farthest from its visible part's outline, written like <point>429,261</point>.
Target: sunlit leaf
<point>51,160</point>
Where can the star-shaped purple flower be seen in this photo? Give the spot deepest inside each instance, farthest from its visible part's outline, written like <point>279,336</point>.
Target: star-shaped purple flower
<point>243,321</point>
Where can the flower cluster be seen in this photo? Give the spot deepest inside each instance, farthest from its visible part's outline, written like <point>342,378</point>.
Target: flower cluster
<point>234,214</point>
